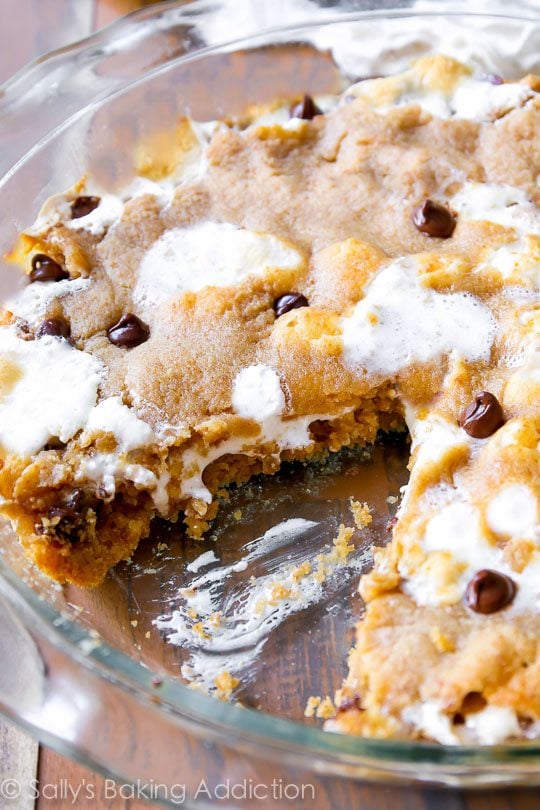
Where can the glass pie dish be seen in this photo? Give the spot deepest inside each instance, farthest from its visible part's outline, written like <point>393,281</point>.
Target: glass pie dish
<point>103,674</point>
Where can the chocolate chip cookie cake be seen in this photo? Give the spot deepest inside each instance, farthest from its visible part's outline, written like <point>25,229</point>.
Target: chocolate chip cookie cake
<point>279,287</point>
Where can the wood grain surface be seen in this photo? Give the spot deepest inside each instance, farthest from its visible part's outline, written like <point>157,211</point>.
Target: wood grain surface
<point>18,759</point>
<point>29,28</point>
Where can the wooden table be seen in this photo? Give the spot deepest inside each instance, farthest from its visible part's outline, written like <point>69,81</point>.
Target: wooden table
<point>29,28</point>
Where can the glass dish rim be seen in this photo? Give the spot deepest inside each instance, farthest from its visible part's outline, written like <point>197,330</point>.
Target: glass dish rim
<point>111,664</point>
<point>110,31</point>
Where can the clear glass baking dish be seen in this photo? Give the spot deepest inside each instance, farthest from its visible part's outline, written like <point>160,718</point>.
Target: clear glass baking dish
<point>87,671</point>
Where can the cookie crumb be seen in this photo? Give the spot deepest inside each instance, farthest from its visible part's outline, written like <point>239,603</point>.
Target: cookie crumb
<point>343,548</point>
<point>198,628</point>
<point>303,570</point>
<point>311,706</point>
<point>326,709</point>
<point>215,619</point>
<point>361,514</point>
<point>279,594</point>
<point>225,683</point>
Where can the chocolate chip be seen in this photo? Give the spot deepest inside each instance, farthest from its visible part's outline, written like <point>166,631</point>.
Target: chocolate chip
<point>473,702</point>
<point>83,206</point>
<point>289,301</point>
<point>130,331</point>
<point>488,591</point>
<point>65,515</point>
<point>65,521</point>
<point>71,509</point>
<point>57,327</point>
<point>54,443</point>
<point>525,723</point>
<point>482,417</point>
<point>320,430</point>
<point>46,269</point>
<point>306,109</point>
<point>492,78</point>
<point>434,219</point>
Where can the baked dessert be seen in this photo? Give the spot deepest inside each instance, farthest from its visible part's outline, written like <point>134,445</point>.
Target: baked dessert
<point>280,287</point>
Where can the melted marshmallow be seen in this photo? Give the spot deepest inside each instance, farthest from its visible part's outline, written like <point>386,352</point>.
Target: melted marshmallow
<point>493,202</point>
<point>490,726</point>
<point>456,528</point>
<point>160,495</point>
<point>54,210</point>
<point>529,370</point>
<point>399,322</point>
<point>278,117</point>
<point>470,98</point>
<point>433,437</point>
<point>510,207</point>
<point>257,393</point>
<point>55,388</point>
<point>195,461</point>
<point>513,511</point>
<point>112,416</point>
<point>478,100</point>
<point>107,213</point>
<point>209,254</point>
<point>518,261</point>
<point>430,720</point>
<point>163,190</point>
<point>493,725</point>
<point>32,302</point>
<point>106,469</point>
